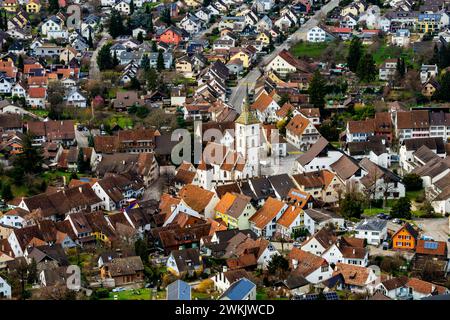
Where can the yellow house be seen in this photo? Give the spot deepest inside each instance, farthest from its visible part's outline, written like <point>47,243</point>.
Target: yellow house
<point>263,37</point>
<point>33,6</point>
<point>235,210</point>
<point>184,65</point>
<point>10,5</point>
<point>243,56</point>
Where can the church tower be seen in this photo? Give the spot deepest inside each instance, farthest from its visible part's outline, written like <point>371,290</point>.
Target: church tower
<point>248,137</point>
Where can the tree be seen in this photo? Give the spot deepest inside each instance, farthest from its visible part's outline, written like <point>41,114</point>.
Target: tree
<point>366,70</point>
<point>317,90</point>
<point>166,17</point>
<point>141,249</point>
<point>401,209</point>
<point>104,58</point>
<point>20,62</point>
<point>412,182</point>
<point>278,265</point>
<point>160,61</point>
<point>53,6</point>
<point>150,24</point>
<point>116,27</point>
<point>131,7</point>
<point>32,272</point>
<point>145,62</point>
<point>154,46</point>
<point>140,37</point>
<point>151,76</point>
<point>351,206</point>
<point>354,54</point>
<point>56,92</point>
<point>90,41</point>
<point>6,192</point>
<point>401,67</point>
<point>115,60</point>
<point>29,161</point>
<point>82,164</point>
<point>134,84</point>
<point>443,93</point>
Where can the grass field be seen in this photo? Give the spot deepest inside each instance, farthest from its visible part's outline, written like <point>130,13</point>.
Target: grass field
<point>306,49</point>
<point>138,294</point>
<point>391,52</point>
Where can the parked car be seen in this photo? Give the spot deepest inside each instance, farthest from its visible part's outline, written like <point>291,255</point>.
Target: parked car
<point>427,238</point>
<point>118,289</point>
<point>397,220</point>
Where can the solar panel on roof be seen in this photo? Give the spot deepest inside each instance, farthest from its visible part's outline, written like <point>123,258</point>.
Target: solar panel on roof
<point>331,296</point>
<point>430,245</point>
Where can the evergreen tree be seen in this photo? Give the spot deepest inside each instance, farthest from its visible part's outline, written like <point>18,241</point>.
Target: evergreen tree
<point>131,7</point>
<point>29,161</point>
<point>317,90</point>
<point>160,61</point>
<point>82,164</point>
<point>20,62</point>
<point>150,23</point>
<point>90,41</point>
<point>166,17</point>
<point>152,79</point>
<point>5,21</point>
<point>145,62</point>
<point>354,54</point>
<point>154,46</point>
<point>444,91</point>
<point>401,209</point>
<point>6,192</point>
<point>401,67</point>
<point>32,272</point>
<point>367,70</point>
<point>53,6</point>
<point>116,26</point>
<point>140,37</point>
<point>104,58</point>
<point>351,206</point>
<point>115,60</point>
<point>2,21</point>
<point>206,3</point>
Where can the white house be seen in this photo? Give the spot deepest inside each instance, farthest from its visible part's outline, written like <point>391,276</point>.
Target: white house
<point>313,268</point>
<point>5,289</point>
<point>123,7</point>
<point>316,219</point>
<point>76,99</point>
<point>318,34</point>
<point>373,230</point>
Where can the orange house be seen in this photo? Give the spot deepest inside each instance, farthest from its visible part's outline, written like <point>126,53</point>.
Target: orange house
<point>405,238</point>
<point>172,35</point>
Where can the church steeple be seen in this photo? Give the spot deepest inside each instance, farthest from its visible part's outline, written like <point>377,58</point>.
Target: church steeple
<point>247,116</point>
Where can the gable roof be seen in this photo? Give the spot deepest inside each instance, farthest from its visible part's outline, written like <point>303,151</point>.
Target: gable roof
<point>196,197</point>
<point>305,263</point>
<point>267,212</point>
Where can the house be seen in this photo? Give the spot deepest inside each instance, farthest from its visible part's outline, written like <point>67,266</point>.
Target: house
<point>404,288</point>
<point>186,262</point>
<point>380,182</point>
<point>265,107</point>
<point>60,132</point>
<point>263,222</point>
<point>142,165</point>
<point>356,278</point>
<point>235,210</point>
<point>430,87</point>
<point>430,252</point>
<point>5,289</point>
<point>242,289</point>
<point>285,63</point>
<point>311,267</point>
<point>123,271</point>
<point>199,200</point>
<point>376,149</point>
<point>427,72</point>
<point>191,24</point>
<point>126,99</point>
<point>388,70</point>
<point>374,231</point>
<point>33,6</point>
<point>173,35</point>
<point>301,132</point>
<point>115,190</point>
<point>76,99</point>
<point>223,280</point>
<point>412,124</point>
<point>122,6</point>
<point>316,219</point>
<point>401,38</point>
<point>318,34</point>
<point>347,250</point>
<point>405,238</point>
<point>289,222</point>
<point>179,290</point>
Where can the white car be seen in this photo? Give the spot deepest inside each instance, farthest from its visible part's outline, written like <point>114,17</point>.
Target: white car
<point>118,289</point>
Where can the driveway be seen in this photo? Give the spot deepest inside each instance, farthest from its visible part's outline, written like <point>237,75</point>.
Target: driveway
<point>94,72</point>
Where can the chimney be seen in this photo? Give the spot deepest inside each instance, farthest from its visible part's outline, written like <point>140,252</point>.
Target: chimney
<point>80,189</point>
<point>383,142</point>
<point>353,251</point>
<point>224,269</point>
<point>294,263</point>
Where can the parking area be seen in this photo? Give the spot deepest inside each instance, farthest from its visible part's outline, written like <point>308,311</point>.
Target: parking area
<point>434,228</point>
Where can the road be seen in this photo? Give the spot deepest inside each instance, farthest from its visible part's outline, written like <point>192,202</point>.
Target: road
<point>94,72</point>
<point>239,92</point>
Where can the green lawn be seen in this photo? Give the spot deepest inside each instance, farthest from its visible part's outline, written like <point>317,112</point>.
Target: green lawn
<point>392,52</point>
<point>374,211</point>
<point>413,195</point>
<point>306,49</point>
<point>123,121</point>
